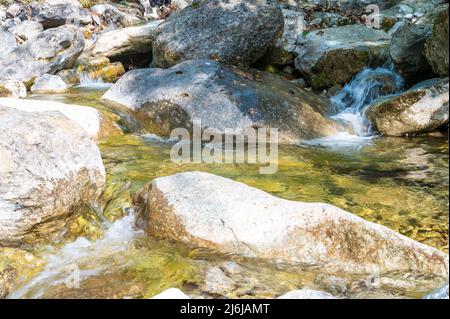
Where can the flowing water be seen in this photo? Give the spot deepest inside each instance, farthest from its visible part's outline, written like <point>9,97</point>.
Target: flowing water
<point>401,183</point>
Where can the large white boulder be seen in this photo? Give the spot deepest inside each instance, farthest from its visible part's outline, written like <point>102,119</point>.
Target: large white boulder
<point>205,210</point>
<point>91,120</point>
<point>50,170</point>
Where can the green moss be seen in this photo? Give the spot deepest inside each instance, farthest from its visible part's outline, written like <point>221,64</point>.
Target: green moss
<point>320,81</point>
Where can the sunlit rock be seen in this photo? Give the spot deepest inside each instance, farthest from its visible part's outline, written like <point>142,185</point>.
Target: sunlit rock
<point>235,32</point>
<point>91,120</point>
<point>222,97</point>
<point>50,171</point>
<point>48,52</point>
<point>423,108</point>
<point>205,210</point>
<point>49,84</point>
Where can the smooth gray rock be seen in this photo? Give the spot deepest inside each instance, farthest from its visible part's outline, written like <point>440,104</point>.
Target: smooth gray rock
<point>222,97</point>
<point>111,15</point>
<point>7,42</point>
<point>125,42</point>
<point>49,83</point>
<point>217,282</point>
<point>91,120</point>
<point>282,52</point>
<point>236,32</point>
<point>48,52</point>
<point>209,211</point>
<point>50,169</point>
<point>27,29</point>
<point>61,14</point>
<point>335,55</point>
<point>423,108</point>
<point>406,51</point>
<point>436,47</point>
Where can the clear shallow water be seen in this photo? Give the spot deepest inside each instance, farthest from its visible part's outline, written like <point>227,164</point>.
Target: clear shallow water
<point>401,183</point>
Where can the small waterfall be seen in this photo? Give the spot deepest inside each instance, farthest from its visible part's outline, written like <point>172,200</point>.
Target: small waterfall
<point>86,81</point>
<point>352,101</point>
<point>366,87</point>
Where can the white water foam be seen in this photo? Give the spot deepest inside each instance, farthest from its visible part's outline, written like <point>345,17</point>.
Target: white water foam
<point>88,82</point>
<point>90,257</point>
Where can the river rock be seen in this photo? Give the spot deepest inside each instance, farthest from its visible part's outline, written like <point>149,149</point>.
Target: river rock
<point>422,108</point>
<point>222,97</point>
<point>282,52</point>
<point>306,294</point>
<point>91,120</point>
<point>12,88</point>
<point>324,55</point>
<point>172,293</point>
<point>50,171</point>
<point>406,50</point>
<point>27,29</point>
<point>216,282</point>
<point>48,52</point>
<point>236,32</point>
<point>48,83</point>
<point>7,43</point>
<point>57,15</point>
<point>74,3</point>
<point>111,15</point>
<point>205,210</point>
<point>132,43</point>
<point>436,47</point>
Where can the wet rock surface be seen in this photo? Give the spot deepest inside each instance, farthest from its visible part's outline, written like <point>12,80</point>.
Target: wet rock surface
<point>221,97</point>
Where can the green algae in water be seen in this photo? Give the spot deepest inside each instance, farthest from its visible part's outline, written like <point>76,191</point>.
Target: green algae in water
<point>400,183</point>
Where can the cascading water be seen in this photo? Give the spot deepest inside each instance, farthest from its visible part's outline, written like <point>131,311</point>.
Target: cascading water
<point>87,81</point>
<point>365,88</point>
<point>91,257</point>
<point>352,101</point>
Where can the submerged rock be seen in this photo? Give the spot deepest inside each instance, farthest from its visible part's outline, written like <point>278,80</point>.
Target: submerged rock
<point>92,121</point>
<point>205,210</point>
<point>423,108</point>
<point>436,47</point>
<point>12,88</point>
<point>441,293</point>
<point>50,171</point>
<point>333,56</point>
<point>217,282</point>
<point>236,32</point>
<point>306,294</point>
<point>222,97</point>
<point>48,52</point>
<point>406,51</point>
<point>49,84</point>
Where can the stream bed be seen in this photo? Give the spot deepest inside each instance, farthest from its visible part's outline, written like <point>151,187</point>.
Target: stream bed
<point>401,183</point>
